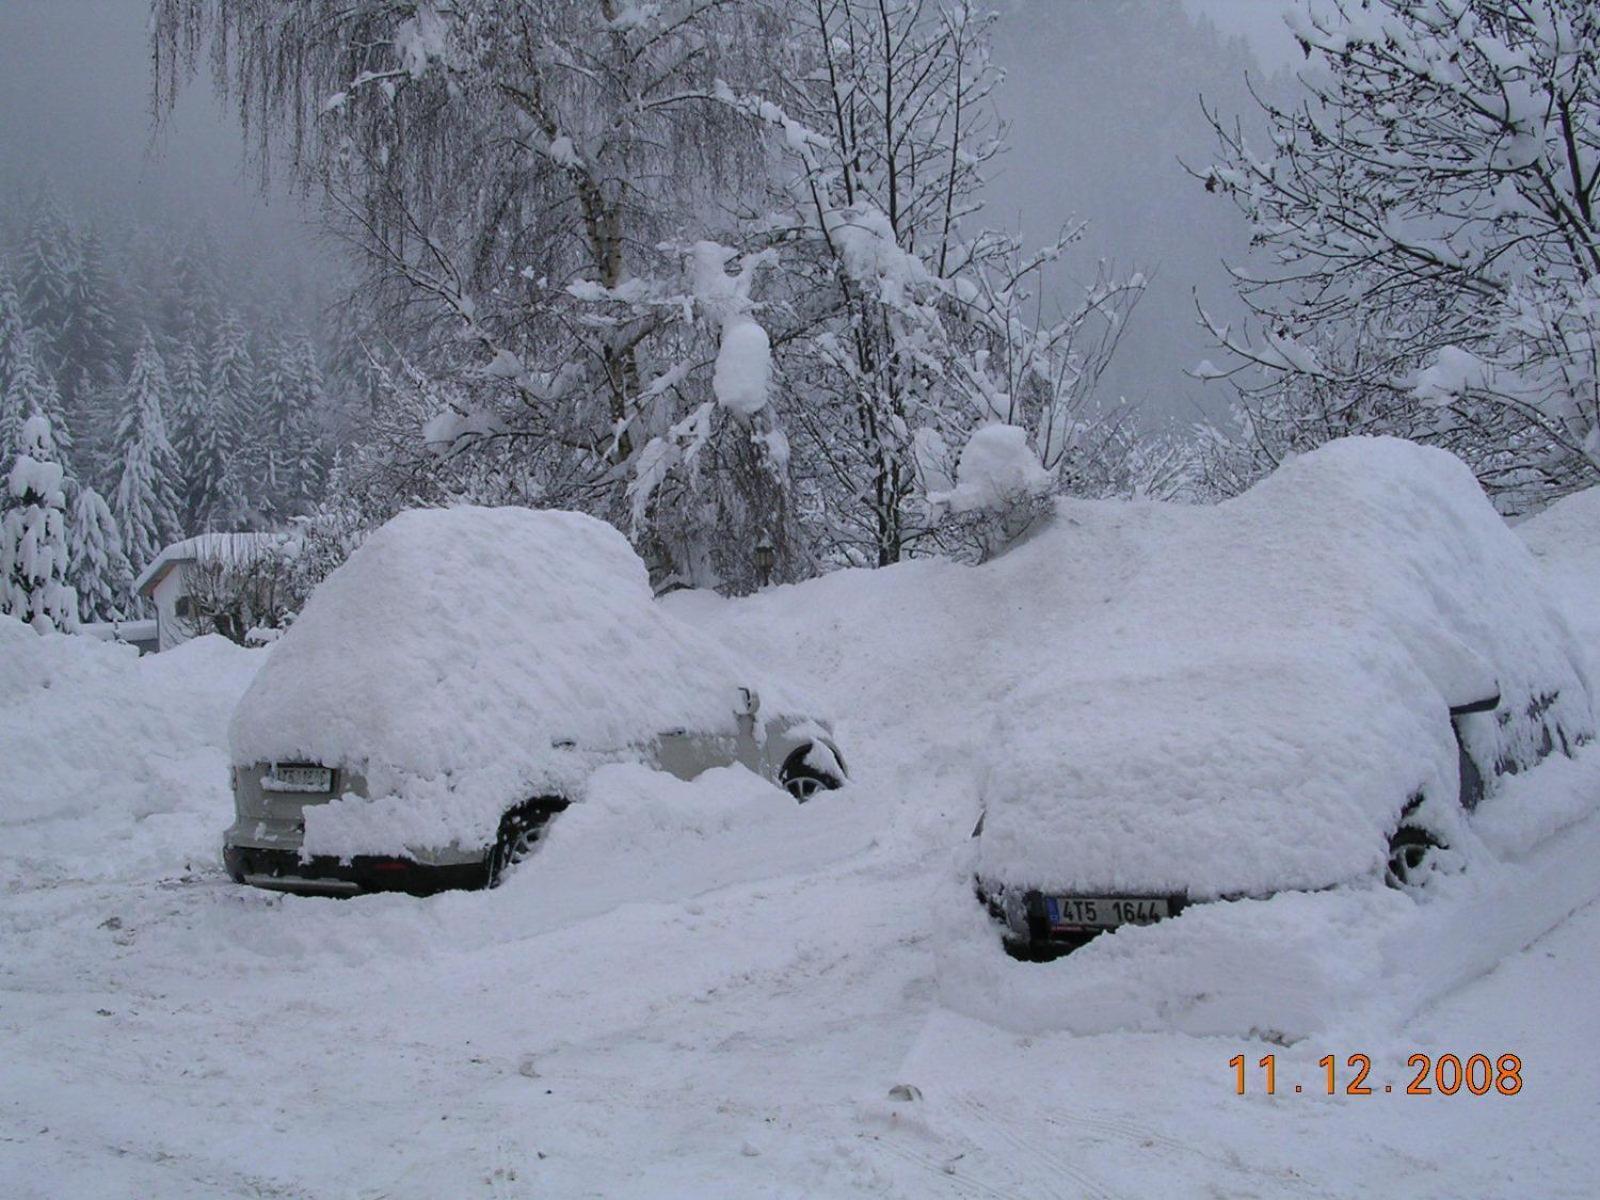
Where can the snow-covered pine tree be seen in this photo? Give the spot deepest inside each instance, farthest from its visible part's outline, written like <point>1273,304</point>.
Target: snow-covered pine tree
<point>43,270</point>
<point>15,387</point>
<point>94,428</point>
<point>263,445</point>
<point>184,297</point>
<point>13,329</point>
<point>233,374</point>
<point>303,451</point>
<point>90,327</point>
<point>198,440</point>
<point>44,397</point>
<point>146,503</point>
<point>27,389</point>
<point>33,540</point>
<point>97,568</point>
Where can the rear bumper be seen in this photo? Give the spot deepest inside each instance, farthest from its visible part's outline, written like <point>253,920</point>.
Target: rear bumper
<point>284,871</point>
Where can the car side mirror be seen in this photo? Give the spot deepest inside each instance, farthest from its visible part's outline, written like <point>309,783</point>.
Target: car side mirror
<point>749,702</point>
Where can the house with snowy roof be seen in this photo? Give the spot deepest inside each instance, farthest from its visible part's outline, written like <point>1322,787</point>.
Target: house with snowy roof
<point>223,583</point>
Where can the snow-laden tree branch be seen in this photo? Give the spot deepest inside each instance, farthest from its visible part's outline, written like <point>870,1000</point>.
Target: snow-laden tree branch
<point>1430,207</point>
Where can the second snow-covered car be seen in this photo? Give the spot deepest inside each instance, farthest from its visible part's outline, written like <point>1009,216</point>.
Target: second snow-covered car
<point>1309,686</point>
<point>451,687</point>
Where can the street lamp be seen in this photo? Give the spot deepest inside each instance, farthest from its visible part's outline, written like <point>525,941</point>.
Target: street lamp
<point>766,559</point>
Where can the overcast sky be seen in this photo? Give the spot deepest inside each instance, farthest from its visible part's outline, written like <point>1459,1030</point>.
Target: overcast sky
<point>1102,96</point>
<point>75,107</point>
<point>1259,22</point>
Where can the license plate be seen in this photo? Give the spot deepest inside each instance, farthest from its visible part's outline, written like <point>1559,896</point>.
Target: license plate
<point>1103,912</point>
<point>298,779</point>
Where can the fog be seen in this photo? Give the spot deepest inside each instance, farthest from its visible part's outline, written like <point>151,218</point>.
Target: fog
<point>76,109</point>
<point>1102,97</point>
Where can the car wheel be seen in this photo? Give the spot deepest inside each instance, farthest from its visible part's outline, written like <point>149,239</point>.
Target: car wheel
<point>1413,856</point>
<point>803,781</point>
<point>521,830</point>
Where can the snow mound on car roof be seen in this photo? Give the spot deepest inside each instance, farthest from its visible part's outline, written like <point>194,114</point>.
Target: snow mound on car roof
<point>456,645</point>
<point>1267,681</point>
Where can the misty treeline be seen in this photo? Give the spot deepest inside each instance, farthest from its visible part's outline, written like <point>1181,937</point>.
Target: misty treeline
<point>179,395</point>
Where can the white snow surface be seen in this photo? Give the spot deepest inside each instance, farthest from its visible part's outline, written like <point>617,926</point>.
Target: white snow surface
<point>451,651</point>
<point>1565,538</point>
<point>111,764</point>
<point>700,989</point>
<point>1234,699</point>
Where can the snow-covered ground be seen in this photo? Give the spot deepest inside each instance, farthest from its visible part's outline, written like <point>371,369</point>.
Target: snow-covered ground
<point>702,990</point>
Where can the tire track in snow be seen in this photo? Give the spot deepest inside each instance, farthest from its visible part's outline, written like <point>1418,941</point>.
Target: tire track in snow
<point>1023,1149</point>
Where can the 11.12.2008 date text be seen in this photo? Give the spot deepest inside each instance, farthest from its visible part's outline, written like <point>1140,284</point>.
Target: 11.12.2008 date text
<point>1446,1075</point>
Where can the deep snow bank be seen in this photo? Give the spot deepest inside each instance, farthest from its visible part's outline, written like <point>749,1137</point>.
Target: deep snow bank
<point>946,676</point>
<point>1298,964</point>
<point>112,765</point>
<point>643,836</point>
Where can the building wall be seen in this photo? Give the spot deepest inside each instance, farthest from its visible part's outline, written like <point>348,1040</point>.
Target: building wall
<point>171,631</point>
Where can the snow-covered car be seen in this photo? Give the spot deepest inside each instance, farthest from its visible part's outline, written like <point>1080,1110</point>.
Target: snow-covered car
<point>1312,685</point>
<point>451,687</point>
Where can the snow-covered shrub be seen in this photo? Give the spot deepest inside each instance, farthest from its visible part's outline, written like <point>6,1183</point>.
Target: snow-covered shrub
<point>34,562</point>
<point>239,592</point>
<point>1000,489</point>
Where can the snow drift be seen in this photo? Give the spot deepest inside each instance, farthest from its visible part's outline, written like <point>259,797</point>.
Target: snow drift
<point>1565,539</point>
<point>953,681</point>
<point>466,658</point>
<point>112,765</point>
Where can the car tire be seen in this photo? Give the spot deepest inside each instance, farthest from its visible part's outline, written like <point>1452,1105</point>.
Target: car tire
<point>1413,857</point>
<point>803,781</point>
<point>521,830</point>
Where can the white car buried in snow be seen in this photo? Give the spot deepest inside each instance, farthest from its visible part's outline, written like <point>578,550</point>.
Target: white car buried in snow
<point>1309,686</point>
<point>451,687</point>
